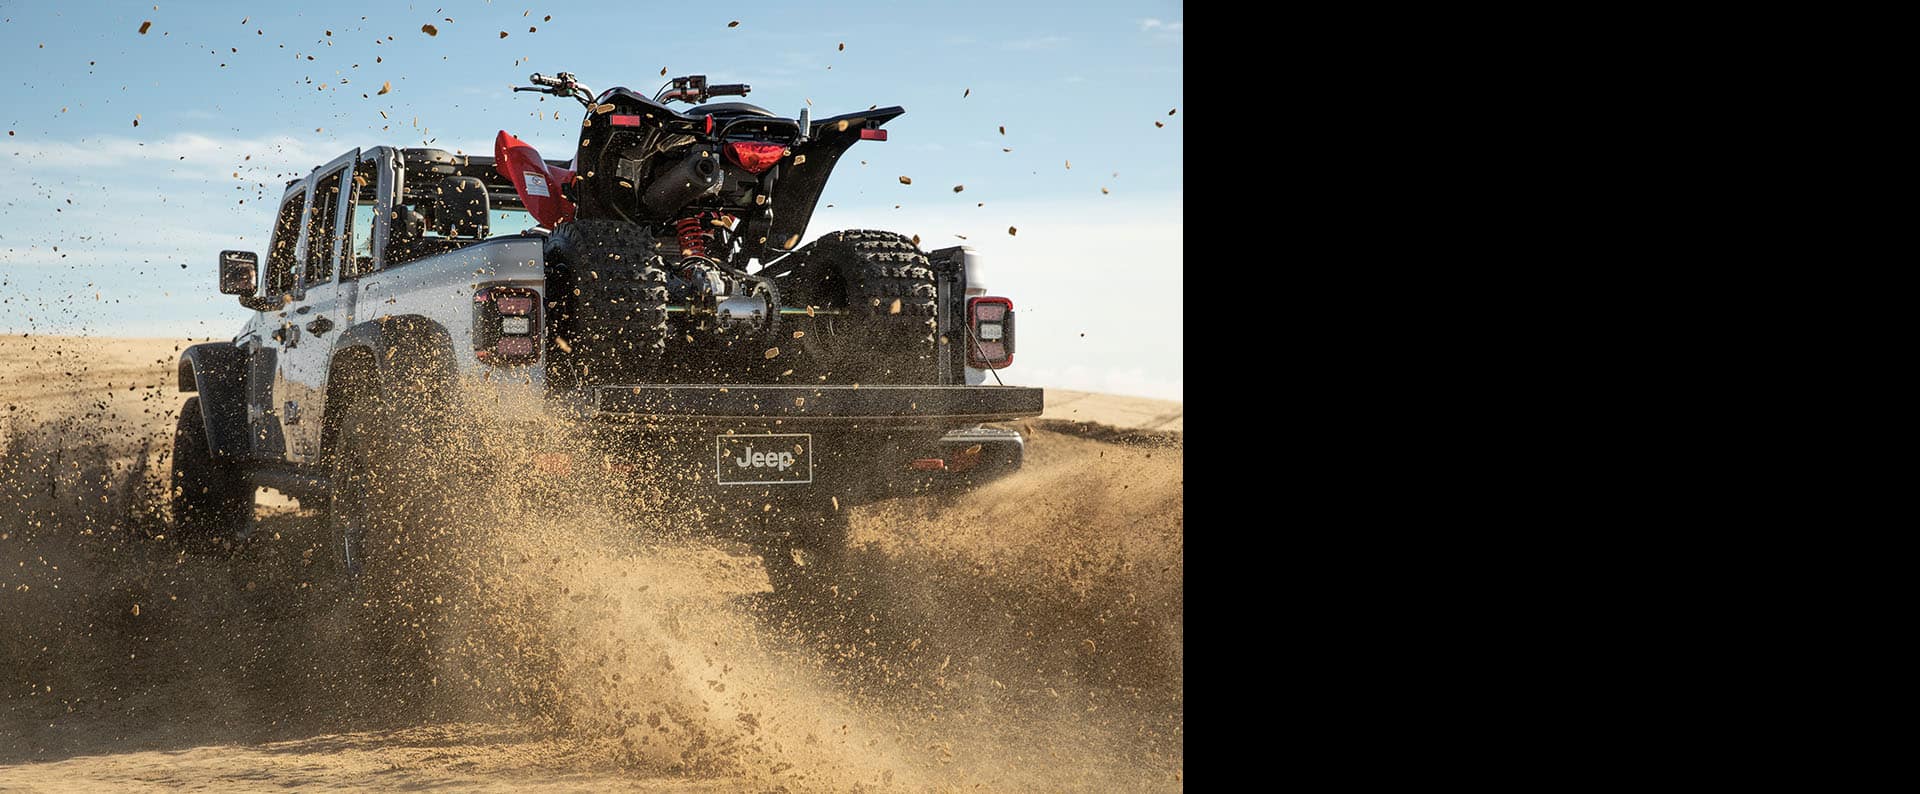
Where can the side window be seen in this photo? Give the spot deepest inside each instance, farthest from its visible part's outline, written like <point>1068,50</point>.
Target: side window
<point>320,218</point>
<point>360,225</point>
<point>286,237</point>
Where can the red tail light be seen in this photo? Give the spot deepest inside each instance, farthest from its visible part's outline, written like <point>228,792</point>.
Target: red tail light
<point>991,343</point>
<point>871,134</point>
<point>756,157</point>
<point>506,325</point>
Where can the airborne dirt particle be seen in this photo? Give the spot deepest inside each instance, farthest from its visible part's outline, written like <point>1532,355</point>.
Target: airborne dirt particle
<point>430,30</point>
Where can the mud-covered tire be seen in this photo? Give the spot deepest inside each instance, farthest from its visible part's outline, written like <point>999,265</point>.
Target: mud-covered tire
<point>212,502</point>
<point>359,508</point>
<point>613,313</point>
<point>888,287</point>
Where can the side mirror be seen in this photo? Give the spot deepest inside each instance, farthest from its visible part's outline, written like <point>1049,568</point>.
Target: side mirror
<point>239,273</point>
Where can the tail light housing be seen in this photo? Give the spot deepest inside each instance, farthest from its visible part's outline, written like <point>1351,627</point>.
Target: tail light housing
<point>756,157</point>
<point>990,343</point>
<point>506,325</point>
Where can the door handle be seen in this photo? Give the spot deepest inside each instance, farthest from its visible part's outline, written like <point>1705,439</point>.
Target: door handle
<point>320,325</point>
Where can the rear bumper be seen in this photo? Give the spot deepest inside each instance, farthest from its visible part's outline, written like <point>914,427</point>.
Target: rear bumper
<point>858,443</point>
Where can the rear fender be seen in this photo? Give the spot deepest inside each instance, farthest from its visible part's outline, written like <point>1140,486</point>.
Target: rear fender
<point>412,354</point>
<point>799,186</point>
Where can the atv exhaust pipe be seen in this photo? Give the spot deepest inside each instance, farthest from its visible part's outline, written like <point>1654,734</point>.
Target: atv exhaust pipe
<point>696,175</point>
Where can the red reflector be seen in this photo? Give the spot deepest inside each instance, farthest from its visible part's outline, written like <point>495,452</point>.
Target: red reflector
<point>621,120</point>
<point>755,157</point>
<point>870,134</point>
<point>514,306</point>
<point>553,462</point>
<point>709,125</point>
<point>928,464</point>
<point>965,459</point>
<point>514,346</point>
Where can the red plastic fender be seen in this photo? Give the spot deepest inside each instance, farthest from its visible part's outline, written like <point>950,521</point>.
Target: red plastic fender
<point>537,183</point>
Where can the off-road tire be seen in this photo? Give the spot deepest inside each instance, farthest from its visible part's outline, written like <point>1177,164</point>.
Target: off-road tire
<point>394,496</point>
<point>613,314</point>
<point>886,283</point>
<point>362,505</point>
<point>212,502</point>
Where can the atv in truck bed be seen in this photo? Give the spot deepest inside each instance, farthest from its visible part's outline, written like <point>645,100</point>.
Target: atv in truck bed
<point>649,296</point>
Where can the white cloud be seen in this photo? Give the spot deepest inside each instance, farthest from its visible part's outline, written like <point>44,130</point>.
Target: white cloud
<point>201,153</point>
<point>1151,25</point>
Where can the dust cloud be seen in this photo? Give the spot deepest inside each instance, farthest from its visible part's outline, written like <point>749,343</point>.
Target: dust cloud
<point>1023,636</point>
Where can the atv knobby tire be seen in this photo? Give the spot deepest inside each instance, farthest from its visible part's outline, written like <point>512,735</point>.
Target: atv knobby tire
<point>888,288</point>
<point>212,502</point>
<point>613,313</point>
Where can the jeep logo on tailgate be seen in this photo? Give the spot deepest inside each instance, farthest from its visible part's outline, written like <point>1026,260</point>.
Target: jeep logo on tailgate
<point>782,459</point>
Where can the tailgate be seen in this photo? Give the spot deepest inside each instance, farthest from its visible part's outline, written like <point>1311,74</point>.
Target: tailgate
<point>868,404</point>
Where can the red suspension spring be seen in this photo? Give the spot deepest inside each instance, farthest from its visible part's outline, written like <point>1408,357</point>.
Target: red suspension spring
<point>693,235</point>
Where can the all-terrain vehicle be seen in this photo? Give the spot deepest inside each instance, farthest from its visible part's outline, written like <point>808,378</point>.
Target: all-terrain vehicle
<point>651,294</point>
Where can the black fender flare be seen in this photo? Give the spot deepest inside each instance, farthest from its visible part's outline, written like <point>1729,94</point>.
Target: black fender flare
<point>218,372</point>
<point>410,352</point>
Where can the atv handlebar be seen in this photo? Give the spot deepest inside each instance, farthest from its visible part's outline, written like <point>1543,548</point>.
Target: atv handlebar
<point>563,84</point>
<point>692,89</point>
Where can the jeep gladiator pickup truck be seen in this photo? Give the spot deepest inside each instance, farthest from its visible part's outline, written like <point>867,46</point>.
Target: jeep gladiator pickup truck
<point>399,279</point>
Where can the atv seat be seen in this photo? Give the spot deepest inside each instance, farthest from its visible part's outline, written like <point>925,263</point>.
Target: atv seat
<point>730,109</point>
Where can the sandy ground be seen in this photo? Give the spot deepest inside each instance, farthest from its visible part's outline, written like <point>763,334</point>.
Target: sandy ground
<point>1025,636</point>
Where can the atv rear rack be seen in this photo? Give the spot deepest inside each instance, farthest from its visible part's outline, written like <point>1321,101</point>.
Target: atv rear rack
<point>875,404</point>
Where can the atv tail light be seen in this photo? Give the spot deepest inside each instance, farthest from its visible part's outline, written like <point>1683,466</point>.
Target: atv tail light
<point>871,134</point>
<point>991,321</point>
<point>756,157</point>
<point>624,120</point>
<point>506,325</point>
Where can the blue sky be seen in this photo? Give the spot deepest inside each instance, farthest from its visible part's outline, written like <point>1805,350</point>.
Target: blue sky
<point>233,99</point>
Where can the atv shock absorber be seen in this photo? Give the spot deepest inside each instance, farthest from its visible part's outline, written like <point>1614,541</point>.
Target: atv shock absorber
<point>693,235</point>
<point>696,232</point>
